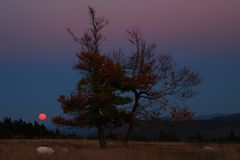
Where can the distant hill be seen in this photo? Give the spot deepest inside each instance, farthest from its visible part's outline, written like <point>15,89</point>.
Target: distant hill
<point>210,116</point>
<point>206,127</point>
<point>210,127</point>
<point>215,127</point>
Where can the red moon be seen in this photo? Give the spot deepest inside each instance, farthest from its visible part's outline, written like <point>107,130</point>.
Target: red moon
<point>42,116</point>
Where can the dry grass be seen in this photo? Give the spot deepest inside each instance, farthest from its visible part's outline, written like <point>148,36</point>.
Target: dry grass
<point>89,150</point>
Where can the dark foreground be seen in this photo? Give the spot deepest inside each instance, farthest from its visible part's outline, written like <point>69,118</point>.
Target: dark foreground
<point>89,150</point>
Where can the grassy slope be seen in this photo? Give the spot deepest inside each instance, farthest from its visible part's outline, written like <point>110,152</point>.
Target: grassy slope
<point>89,150</point>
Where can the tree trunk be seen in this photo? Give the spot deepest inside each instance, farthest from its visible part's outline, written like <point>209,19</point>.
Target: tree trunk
<point>131,123</point>
<point>126,139</point>
<point>101,137</point>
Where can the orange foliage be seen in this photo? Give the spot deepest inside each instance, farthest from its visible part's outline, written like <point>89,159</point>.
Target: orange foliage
<point>181,114</point>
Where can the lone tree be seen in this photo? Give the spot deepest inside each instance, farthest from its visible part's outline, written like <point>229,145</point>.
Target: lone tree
<point>154,81</point>
<point>152,77</point>
<point>94,103</point>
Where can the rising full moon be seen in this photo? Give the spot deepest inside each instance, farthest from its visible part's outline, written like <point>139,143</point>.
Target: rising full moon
<point>42,116</point>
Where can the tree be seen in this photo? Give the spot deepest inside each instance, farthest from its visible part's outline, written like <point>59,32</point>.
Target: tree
<point>93,37</point>
<point>181,114</point>
<point>153,77</point>
<point>106,80</point>
<point>95,101</point>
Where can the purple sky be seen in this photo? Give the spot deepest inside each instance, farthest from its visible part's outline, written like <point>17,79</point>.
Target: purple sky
<point>37,55</point>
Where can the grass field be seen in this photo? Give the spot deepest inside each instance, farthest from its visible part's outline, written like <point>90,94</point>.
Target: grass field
<point>89,150</point>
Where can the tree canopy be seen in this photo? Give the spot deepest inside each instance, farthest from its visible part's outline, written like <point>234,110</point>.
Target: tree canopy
<point>95,101</point>
<point>109,82</point>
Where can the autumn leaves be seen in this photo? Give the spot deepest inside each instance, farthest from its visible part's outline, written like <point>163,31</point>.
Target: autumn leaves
<point>109,83</point>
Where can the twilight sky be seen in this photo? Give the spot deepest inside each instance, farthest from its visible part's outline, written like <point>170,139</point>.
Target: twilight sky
<point>37,54</point>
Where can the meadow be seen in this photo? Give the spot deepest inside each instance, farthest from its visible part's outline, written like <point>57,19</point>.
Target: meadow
<point>89,150</point>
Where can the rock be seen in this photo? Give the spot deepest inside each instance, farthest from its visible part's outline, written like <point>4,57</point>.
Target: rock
<point>45,150</point>
<point>208,148</point>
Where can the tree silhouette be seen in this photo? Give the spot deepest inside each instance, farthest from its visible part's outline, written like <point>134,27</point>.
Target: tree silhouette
<point>106,80</point>
<point>181,114</point>
<point>95,101</point>
<point>153,77</point>
<point>21,129</point>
